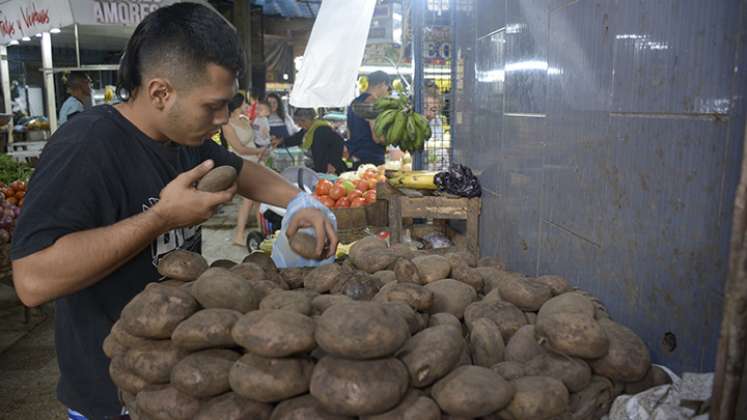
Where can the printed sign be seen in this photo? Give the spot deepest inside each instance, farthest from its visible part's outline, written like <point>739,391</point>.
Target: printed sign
<point>20,18</point>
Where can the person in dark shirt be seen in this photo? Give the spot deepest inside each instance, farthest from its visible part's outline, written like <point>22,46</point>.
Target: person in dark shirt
<point>320,139</point>
<point>364,147</point>
<point>115,191</point>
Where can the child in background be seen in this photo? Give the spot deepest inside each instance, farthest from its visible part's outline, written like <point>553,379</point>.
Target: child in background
<point>261,125</point>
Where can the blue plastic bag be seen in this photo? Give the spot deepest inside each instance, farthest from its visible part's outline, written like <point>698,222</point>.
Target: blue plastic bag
<point>282,254</point>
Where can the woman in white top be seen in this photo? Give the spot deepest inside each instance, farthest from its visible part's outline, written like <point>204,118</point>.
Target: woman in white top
<point>239,134</point>
<point>281,124</point>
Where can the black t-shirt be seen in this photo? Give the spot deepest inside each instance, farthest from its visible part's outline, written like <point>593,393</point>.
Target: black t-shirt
<point>96,170</point>
<point>326,148</point>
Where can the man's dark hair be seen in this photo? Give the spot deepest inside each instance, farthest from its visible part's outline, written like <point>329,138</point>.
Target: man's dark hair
<point>235,102</point>
<point>377,78</point>
<point>181,39</point>
<point>307,114</point>
<point>76,79</point>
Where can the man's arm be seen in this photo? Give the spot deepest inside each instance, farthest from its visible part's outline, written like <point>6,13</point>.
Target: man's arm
<point>80,259</point>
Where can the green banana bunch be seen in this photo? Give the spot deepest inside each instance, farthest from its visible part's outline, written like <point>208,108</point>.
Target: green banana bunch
<point>387,102</point>
<point>399,125</point>
<point>383,121</point>
<point>396,132</point>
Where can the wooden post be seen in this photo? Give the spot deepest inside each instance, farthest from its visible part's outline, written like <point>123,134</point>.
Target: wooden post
<point>473,227</point>
<point>729,398</point>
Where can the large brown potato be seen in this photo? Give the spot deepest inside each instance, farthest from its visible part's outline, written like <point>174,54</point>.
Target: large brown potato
<point>361,330</point>
<point>126,339</point>
<point>468,275</point>
<point>218,179</point>
<point>486,343</point>
<point>414,322</point>
<point>451,296</point>
<point>124,378</point>
<point>506,316</point>
<point>275,333</point>
<point>304,407</point>
<point>415,406</point>
<point>574,373</point>
<point>204,374</point>
<point>527,294</point>
<point>113,348</point>
<point>156,311</point>
<point>461,258</point>
<point>263,260</point>
<point>231,406</point>
<point>270,380</point>
<point>432,353</point>
<point>415,295</point>
<point>628,358</point>
<point>386,276</point>
<point>373,258</point>
<point>205,329</point>
<point>406,271</point>
<point>509,370</point>
<point>323,302</point>
<point>472,391</point>
<point>558,285</point>
<point>358,286</point>
<point>294,277</point>
<point>287,300</point>
<point>248,271</point>
<point>359,387</point>
<point>324,278</point>
<point>167,403</point>
<point>182,265</point>
<point>220,288</point>
<point>523,345</point>
<point>567,323</point>
<point>444,318</point>
<point>155,361</point>
<point>594,401</point>
<point>536,398</point>
<point>654,377</point>
<point>432,268</point>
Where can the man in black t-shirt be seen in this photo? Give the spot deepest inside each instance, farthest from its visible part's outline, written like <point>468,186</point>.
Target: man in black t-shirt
<point>320,139</point>
<point>114,191</point>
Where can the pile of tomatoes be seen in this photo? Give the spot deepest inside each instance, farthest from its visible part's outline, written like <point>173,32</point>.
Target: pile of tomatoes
<point>14,192</point>
<point>348,193</point>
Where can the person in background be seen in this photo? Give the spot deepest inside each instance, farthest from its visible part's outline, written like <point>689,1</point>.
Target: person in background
<point>320,139</point>
<point>240,135</point>
<point>363,146</point>
<point>261,125</point>
<point>281,125</point>
<point>79,89</point>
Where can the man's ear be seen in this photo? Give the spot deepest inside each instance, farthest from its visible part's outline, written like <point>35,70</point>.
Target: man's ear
<point>160,91</point>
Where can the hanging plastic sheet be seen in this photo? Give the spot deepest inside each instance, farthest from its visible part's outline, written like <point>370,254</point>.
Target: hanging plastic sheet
<point>333,55</point>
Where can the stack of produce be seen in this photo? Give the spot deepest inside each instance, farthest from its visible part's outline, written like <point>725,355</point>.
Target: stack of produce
<point>400,125</point>
<point>388,334</point>
<point>347,192</point>
<point>14,193</point>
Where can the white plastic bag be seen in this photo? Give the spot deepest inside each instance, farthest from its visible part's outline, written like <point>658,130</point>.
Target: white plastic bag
<point>333,54</point>
<point>282,254</point>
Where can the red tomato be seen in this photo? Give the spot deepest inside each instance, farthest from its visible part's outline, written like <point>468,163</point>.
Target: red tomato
<point>362,185</point>
<point>323,187</point>
<point>370,196</point>
<point>358,202</point>
<point>337,192</point>
<point>342,203</point>
<point>355,194</point>
<point>327,201</point>
<point>370,174</point>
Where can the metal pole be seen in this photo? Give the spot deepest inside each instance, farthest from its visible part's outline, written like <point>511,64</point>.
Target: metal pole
<point>77,46</point>
<point>418,26</point>
<point>5,76</point>
<point>47,64</point>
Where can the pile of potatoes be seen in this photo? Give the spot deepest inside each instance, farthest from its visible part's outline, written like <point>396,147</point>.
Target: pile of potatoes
<point>388,334</point>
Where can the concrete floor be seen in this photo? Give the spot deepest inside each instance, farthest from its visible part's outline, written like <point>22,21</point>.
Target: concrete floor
<point>28,365</point>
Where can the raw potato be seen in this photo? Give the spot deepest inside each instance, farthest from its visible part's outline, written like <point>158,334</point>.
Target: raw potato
<point>451,296</point>
<point>275,333</point>
<point>360,286</point>
<point>628,358</point>
<point>403,250</point>
<point>415,295</point>
<point>155,361</point>
<point>465,359</point>
<point>359,387</point>
<point>486,343</point>
<point>415,406</point>
<point>204,374</point>
<point>574,373</point>
<point>525,293</point>
<point>558,285</point>
<point>182,265</point>
<point>167,403</point>
<point>506,316</point>
<point>123,378</point>
<point>304,407</point>
<point>324,278</point>
<point>294,276</point>
<point>468,275</point>
<point>567,323</point>
<point>491,262</point>
<point>263,260</point>
<point>414,322</point>
<point>594,401</point>
<point>304,245</point>
<point>432,353</point>
<point>248,271</point>
<point>461,258</point>
<point>472,391</point>
<point>444,318</point>
<point>156,311</point>
<point>288,300</point>
<point>220,288</point>
<point>432,268</point>
<point>572,302</point>
<point>218,179</point>
<point>509,370</point>
<point>363,248</point>
<point>531,317</point>
<point>126,339</point>
<point>490,278</point>
<point>493,296</point>
<point>231,406</point>
<point>361,330</point>
<point>523,346</point>
<point>266,287</point>
<point>223,263</point>
<point>375,260</point>
<point>536,398</point>
<point>323,302</point>
<point>205,329</point>
<point>406,271</point>
<point>113,348</point>
<point>386,276</point>
<point>270,380</point>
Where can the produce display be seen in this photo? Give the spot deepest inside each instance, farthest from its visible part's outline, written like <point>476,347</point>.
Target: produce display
<point>11,201</point>
<point>400,125</point>
<point>387,334</point>
<point>350,191</point>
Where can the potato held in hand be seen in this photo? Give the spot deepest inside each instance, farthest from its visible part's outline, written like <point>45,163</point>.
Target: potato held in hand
<point>218,179</point>
<point>304,245</point>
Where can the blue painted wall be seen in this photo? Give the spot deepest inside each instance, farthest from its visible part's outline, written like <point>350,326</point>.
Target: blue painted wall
<point>608,135</point>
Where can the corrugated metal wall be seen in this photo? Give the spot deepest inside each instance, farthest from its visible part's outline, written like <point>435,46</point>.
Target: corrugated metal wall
<point>608,136</point>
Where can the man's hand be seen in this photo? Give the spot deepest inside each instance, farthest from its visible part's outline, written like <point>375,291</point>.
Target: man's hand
<point>276,141</point>
<point>181,204</point>
<point>326,237</point>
